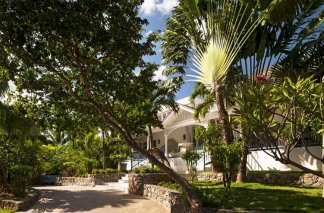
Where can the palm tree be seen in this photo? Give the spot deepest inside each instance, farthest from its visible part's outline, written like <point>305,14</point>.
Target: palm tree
<point>215,38</point>
<point>262,49</point>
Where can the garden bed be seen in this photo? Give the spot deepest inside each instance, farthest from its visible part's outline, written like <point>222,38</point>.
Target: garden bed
<point>19,204</point>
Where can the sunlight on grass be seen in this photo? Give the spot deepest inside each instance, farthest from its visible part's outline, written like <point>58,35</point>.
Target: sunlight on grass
<point>256,196</point>
<point>6,211</point>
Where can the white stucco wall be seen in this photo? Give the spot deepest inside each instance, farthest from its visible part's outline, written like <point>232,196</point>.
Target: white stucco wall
<point>176,135</point>
<point>259,160</point>
<point>159,136</point>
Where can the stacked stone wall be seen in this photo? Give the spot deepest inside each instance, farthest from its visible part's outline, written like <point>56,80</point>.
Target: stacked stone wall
<point>307,179</point>
<point>23,204</point>
<point>170,199</point>
<point>288,178</point>
<point>75,181</point>
<point>136,181</point>
<point>102,178</point>
<point>210,176</point>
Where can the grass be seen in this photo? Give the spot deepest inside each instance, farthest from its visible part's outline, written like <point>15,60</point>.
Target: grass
<point>256,196</point>
<point>260,197</point>
<point>6,211</point>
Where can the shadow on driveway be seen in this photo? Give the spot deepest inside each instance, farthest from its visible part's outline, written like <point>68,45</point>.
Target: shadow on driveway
<point>98,199</point>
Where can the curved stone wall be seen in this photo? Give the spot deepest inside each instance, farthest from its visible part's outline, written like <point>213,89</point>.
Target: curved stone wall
<point>136,181</point>
<point>170,199</point>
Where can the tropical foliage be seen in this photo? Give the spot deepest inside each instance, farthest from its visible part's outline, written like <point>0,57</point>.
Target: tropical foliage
<point>83,54</point>
<point>287,43</point>
<point>284,117</point>
<point>191,158</point>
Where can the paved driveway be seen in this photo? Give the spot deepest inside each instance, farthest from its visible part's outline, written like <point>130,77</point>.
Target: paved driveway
<point>99,199</point>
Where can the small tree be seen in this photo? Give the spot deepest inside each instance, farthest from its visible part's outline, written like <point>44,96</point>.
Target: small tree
<point>282,117</point>
<point>191,158</point>
<point>229,156</point>
<point>211,137</point>
<point>224,156</point>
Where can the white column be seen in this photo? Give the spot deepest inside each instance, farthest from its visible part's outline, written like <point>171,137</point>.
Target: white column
<point>166,145</point>
<point>148,143</point>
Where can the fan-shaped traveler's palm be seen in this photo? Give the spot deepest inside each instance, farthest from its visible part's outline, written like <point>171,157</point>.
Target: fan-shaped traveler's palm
<point>226,27</point>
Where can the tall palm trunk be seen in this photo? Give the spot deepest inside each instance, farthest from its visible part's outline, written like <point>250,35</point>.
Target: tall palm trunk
<point>223,117</point>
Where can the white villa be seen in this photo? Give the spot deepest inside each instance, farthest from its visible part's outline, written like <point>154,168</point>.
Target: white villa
<point>178,136</point>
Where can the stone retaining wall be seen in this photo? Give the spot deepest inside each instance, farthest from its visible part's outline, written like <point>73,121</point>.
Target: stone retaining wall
<point>75,181</point>
<point>279,178</point>
<point>24,204</point>
<point>287,178</point>
<point>210,176</point>
<point>170,199</point>
<point>136,181</point>
<point>102,178</point>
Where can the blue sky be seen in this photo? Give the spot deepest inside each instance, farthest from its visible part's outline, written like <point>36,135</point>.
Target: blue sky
<point>156,12</point>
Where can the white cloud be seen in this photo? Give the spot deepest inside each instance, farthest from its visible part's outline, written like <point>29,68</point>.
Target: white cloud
<point>159,75</point>
<point>163,6</point>
<point>148,33</point>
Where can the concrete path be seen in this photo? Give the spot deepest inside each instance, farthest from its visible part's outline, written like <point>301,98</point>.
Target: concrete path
<point>99,199</point>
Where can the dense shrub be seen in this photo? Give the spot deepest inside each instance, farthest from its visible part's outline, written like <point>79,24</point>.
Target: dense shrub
<point>146,170</point>
<point>212,198</point>
<point>170,185</point>
<point>104,171</point>
<point>20,178</point>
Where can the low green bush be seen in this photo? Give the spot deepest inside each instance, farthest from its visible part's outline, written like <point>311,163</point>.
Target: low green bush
<point>211,198</point>
<point>20,179</point>
<point>170,185</point>
<point>104,171</point>
<point>141,170</point>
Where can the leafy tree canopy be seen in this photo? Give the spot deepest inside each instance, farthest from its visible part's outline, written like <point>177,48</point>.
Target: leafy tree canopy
<point>73,53</point>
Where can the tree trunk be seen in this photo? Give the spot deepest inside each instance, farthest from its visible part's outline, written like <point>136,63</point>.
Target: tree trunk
<point>323,162</point>
<point>241,174</point>
<point>157,152</point>
<point>188,191</point>
<point>150,136</point>
<point>103,149</point>
<point>223,117</point>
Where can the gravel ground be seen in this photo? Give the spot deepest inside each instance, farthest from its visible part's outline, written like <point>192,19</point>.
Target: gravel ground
<point>99,199</point>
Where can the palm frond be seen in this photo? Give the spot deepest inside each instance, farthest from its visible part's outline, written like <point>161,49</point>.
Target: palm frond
<point>303,52</point>
<point>225,40</point>
<point>203,108</point>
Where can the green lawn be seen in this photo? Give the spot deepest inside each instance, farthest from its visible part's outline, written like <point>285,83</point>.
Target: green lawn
<point>256,196</point>
<point>6,211</point>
